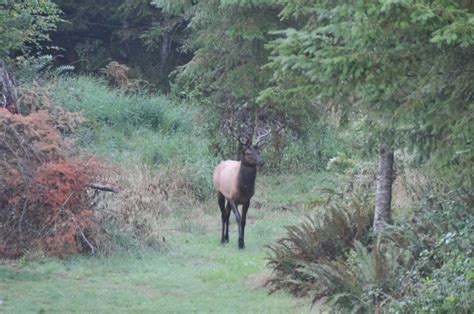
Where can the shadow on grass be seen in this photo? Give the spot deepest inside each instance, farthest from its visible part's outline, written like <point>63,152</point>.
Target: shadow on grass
<point>9,274</point>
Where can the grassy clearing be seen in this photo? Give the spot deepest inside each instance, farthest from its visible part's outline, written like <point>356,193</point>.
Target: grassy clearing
<point>195,274</point>
<point>158,145</point>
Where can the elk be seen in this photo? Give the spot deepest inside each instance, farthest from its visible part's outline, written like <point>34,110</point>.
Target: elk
<point>234,182</point>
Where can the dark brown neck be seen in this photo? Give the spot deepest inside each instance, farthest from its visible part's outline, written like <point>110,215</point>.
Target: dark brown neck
<point>247,175</point>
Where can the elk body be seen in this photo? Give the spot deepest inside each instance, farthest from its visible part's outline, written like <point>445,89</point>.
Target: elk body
<point>235,185</point>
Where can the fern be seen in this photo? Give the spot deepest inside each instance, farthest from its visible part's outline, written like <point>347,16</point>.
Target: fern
<point>319,240</point>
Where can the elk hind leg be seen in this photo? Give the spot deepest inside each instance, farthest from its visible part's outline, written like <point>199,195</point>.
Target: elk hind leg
<point>221,202</point>
<point>227,218</point>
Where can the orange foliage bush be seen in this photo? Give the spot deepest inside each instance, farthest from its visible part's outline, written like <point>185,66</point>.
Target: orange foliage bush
<point>44,199</point>
<point>35,98</point>
<point>118,77</point>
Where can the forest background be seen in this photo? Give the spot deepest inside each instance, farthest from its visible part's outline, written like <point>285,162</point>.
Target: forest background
<point>336,83</point>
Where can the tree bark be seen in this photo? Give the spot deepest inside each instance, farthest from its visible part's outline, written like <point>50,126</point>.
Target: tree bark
<point>8,94</point>
<point>383,198</point>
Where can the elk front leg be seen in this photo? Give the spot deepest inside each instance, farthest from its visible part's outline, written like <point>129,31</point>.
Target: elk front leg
<point>245,208</point>
<point>237,218</point>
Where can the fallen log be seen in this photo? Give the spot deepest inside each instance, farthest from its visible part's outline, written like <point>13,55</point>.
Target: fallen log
<point>103,187</point>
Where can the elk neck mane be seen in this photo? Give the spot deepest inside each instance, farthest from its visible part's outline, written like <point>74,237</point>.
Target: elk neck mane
<point>247,175</point>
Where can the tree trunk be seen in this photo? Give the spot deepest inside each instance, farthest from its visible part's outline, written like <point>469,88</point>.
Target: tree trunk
<point>383,196</point>
<point>165,52</point>
<point>8,94</point>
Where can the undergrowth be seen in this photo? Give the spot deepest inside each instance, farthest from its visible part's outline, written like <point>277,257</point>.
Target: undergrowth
<point>155,157</point>
<point>421,263</point>
<point>161,161</point>
<point>134,128</point>
<point>323,238</point>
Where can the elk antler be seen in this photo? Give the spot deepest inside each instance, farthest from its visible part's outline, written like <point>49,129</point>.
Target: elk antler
<point>245,141</point>
<point>262,133</point>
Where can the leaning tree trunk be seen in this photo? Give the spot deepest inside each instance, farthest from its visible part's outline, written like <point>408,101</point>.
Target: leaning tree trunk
<point>383,197</point>
<point>8,94</point>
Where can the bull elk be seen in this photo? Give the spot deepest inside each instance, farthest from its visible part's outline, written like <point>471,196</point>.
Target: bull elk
<point>234,182</point>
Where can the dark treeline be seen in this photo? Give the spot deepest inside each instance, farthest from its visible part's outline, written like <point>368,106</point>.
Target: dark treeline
<point>135,33</point>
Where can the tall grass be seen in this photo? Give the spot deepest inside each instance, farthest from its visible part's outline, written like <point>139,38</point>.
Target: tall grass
<point>137,128</point>
<point>161,159</point>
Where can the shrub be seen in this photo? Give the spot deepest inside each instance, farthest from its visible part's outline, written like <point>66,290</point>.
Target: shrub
<point>43,194</point>
<point>367,280</point>
<point>37,97</point>
<point>25,25</point>
<point>443,278</point>
<point>132,216</point>
<point>422,264</point>
<point>324,239</point>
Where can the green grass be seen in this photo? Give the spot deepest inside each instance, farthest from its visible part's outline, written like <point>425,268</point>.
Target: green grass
<point>197,274</point>
<point>131,128</point>
<point>295,190</point>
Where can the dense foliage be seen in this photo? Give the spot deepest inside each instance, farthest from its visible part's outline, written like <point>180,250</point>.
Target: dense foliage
<point>132,32</point>
<point>25,25</point>
<point>320,240</point>
<point>331,80</point>
<point>402,67</point>
<point>423,264</point>
<point>402,71</point>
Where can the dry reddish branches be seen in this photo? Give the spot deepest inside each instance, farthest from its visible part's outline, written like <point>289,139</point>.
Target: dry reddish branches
<point>44,201</point>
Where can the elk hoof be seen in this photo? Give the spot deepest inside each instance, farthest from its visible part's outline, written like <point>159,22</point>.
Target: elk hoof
<point>241,245</point>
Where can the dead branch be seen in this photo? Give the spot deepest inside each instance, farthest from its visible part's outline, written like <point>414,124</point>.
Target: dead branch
<point>103,187</point>
<point>84,236</point>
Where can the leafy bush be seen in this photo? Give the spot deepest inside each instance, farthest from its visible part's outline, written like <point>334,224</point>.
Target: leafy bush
<point>443,280</point>
<point>24,25</point>
<point>44,201</point>
<point>422,265</point>
<point>363,281</point>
